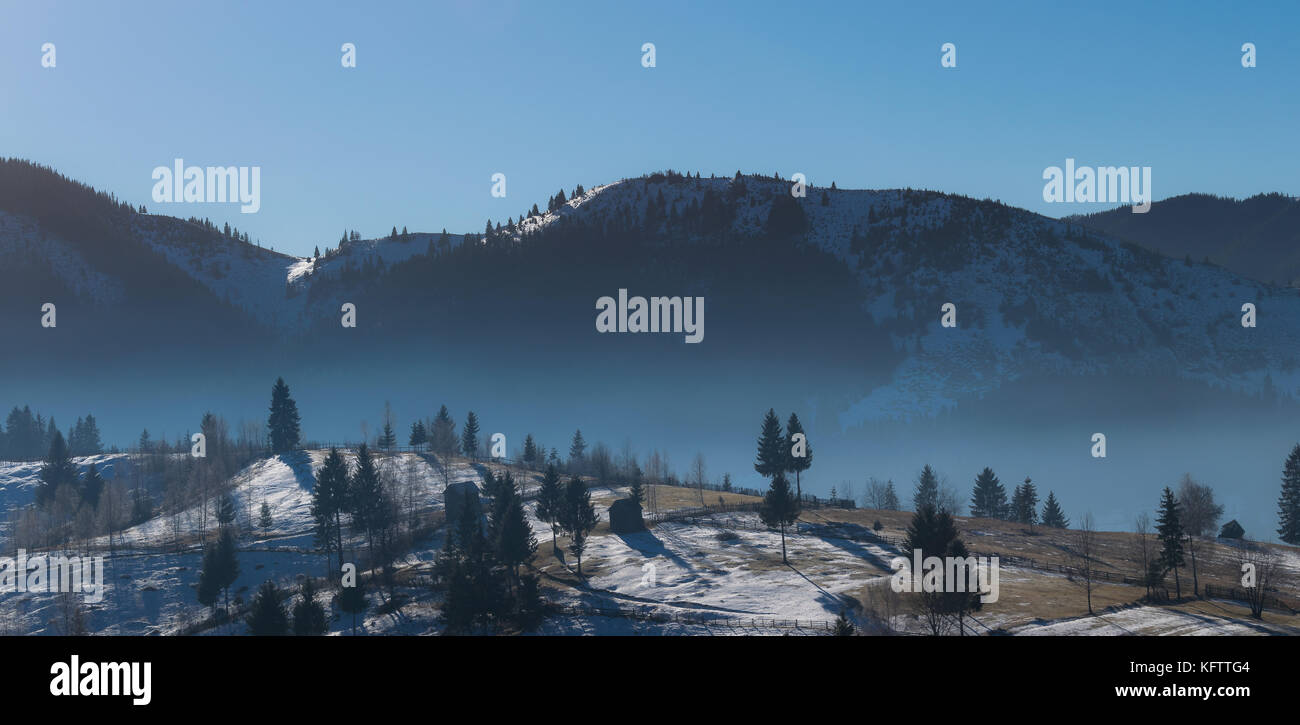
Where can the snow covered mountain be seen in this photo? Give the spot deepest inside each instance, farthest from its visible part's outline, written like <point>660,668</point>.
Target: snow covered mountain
<point>1033,296</point>
<point>863,276</point>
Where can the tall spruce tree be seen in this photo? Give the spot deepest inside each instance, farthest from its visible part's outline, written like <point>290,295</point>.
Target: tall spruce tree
<point>58,471</point>
<point>469,436</point>
<point>308,615</point>
<point>468,568</point>
<point>442,439</point>
<point>225,565</point>
<point>796,463</point>
<point>1288,504</point>
<point>209,588</point>
<point>530,450</point>
<point>550,502</point>
<point>780,508</point>
<point>266,616</point>
<point>225,511</point>
<point>927,489</point>
<point>283,423</point>
<point>388,438</point>
<point>329,500</point>
<point>352,599</point>
<point>366,491</point>
<point>92,487</point>
<point>989,498</point>
<point>933,532</point>
<point>577,453</point>
<point>515,540</point>
<point>890,502</point>
<point>418,434</point>
<point>1024,504</point>
<point>1053,516</point>
<point>1169,529</point>
<point>636,489</point>
<point>578,517</point>
<point>772,451</point>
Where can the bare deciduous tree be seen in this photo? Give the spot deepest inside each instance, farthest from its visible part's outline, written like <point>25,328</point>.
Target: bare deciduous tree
<point>698,471</point>
<point>875,497</point>
<point>1142,548</point>
<point>1261,570</point>
<point>1200,517</point>
<point>1085,549</point>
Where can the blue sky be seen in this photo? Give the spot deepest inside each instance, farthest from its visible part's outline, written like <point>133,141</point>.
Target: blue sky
<point>553,94</point>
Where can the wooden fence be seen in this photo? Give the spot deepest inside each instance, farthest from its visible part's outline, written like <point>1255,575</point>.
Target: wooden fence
<point>694,618</point>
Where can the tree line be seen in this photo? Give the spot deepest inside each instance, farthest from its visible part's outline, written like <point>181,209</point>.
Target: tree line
<point>27,436</point>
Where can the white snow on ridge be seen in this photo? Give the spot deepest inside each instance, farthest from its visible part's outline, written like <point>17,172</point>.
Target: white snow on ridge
<point>18,480</point>
<point>285,483</point>
<point>268,284</point>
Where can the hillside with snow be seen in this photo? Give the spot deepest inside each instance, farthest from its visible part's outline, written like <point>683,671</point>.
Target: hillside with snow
<point>693,571</point>
<point>1034,297</point>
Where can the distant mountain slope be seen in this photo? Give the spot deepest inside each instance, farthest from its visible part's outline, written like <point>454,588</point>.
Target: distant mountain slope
<point>1257,237</point>
<point>858,276</point>
<point>1034,296</point>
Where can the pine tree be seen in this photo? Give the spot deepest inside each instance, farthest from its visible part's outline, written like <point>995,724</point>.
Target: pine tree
<point>388,439</point>
<point>578,517</point>
<point>772,450</point>
<point>366,494</point>
<point>843,627</point>
<point>225,564</point>
<point>529,607</point>
<point>1024,504</point>
<point>933,532</point>
<point>308,615</point>
<point>353,601</point>
<point>927,490</point>
<point>780,508</point>
<point>796,464</point>
<point>1169,529</point>
<point>1288,504</point>
<point>550,501</point>
<point>474,586</point>
<point>989,499</point>
<point>530,450</point>
<point>418,434</point>
<point>443,436</point>
<point>58,471</point>
<point>636,489</point>
<point>225,511</point>
<point>141,505</point>
<point>264,520</point>
<point>515,540</point>
<point>209,588</point>
<point>469,436</point>
<point>267,616</point>
<point>92,486</point>
<point>576,451</point>
<point>283,424</point>
<point>329,499</point>
<point>1053,516</point>
<point>891,497</point>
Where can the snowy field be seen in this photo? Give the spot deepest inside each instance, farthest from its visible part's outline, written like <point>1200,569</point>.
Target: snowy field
<point>721,575</point>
